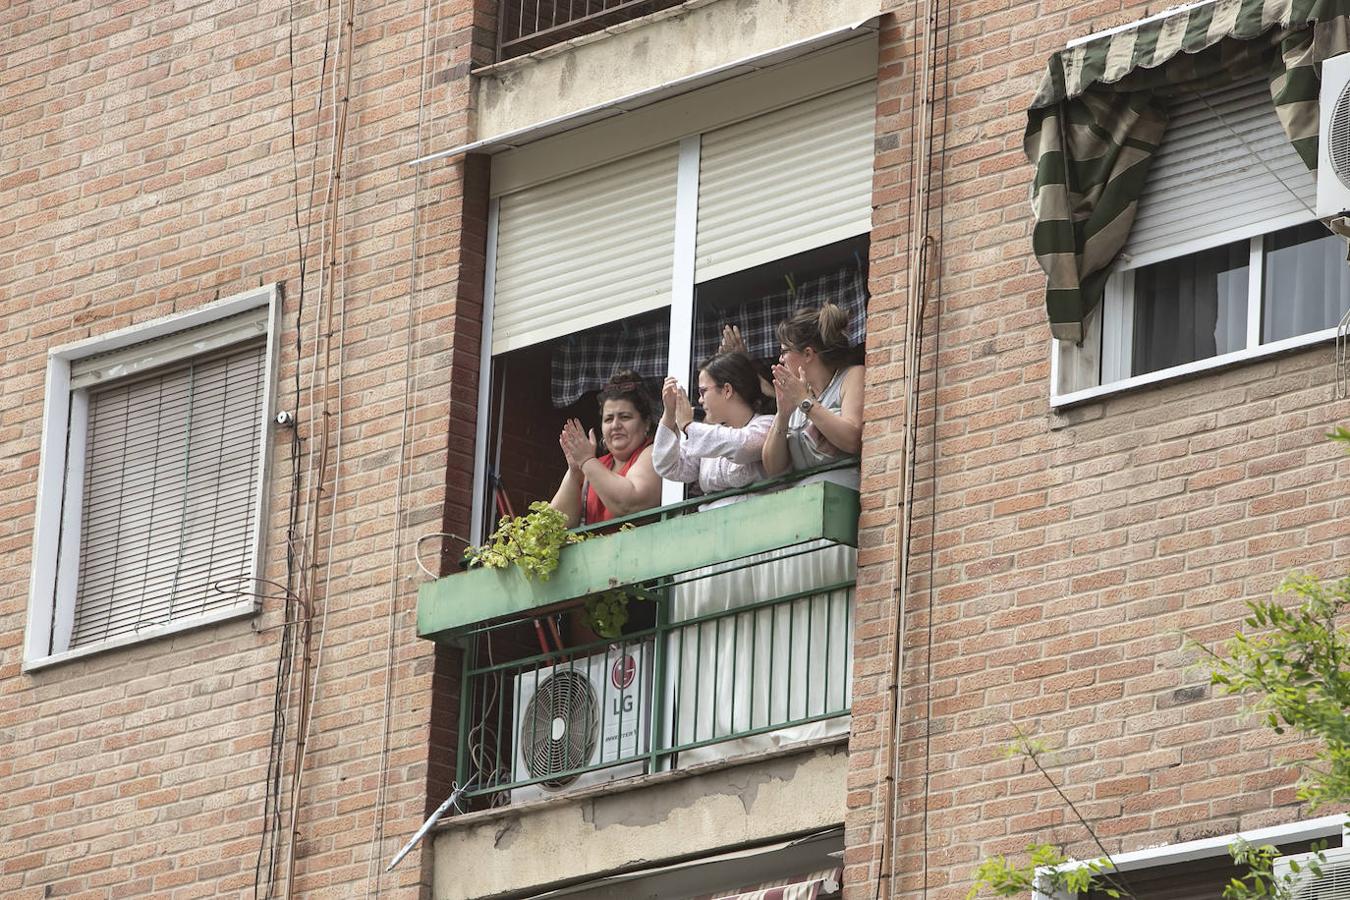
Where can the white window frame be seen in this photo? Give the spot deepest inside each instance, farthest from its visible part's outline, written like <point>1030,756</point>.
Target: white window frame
<point>1205,848</point>
<point>1108,342</point>
<point>52,593</point>
<point>684,282</point>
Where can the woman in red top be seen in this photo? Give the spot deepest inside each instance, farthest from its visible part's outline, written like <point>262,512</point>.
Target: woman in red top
<point>622,481</point>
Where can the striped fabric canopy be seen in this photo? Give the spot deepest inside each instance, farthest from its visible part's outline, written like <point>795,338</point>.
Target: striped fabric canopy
<point>1101,112</point>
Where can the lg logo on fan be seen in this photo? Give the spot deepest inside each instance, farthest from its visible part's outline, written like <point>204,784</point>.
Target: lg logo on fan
<point>622,673</point>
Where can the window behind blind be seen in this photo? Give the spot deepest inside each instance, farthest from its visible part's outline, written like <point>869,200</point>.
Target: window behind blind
<point>168,510</point>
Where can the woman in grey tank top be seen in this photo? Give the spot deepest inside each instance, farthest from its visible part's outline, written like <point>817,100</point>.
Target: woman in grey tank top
<point>820,402</point>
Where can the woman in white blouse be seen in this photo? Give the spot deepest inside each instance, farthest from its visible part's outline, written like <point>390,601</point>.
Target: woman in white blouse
<point>725,449</point>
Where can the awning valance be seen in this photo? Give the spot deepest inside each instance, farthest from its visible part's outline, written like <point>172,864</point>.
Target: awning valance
<point>1101,113</point>
<point>803,887</point>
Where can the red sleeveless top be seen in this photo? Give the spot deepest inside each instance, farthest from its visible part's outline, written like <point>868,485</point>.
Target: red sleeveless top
<point>595,510</point>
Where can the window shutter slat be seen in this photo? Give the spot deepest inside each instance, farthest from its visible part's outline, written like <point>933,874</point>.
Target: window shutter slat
<point>584,250</point>
<point>1213,172</point>
<point>169,495</point>
<point>786,181</point>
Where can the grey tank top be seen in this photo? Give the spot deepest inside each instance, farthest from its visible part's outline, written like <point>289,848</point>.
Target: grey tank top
<point>809,448</point>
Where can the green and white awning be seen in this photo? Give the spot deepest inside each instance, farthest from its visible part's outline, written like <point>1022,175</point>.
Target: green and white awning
<point>1101,112</point>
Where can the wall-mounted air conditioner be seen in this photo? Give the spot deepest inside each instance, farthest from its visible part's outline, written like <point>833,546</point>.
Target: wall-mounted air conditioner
<point>579,713</point>
<point>1332,884</point>
<point>1333,145</point>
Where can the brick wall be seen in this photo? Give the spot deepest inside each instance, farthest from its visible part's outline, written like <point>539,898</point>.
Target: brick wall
<point>148,168</point>
<point>1057,559</point>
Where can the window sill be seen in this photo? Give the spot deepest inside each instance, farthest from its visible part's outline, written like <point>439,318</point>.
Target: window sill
<point>243,610</point>
<point>1059,402</point>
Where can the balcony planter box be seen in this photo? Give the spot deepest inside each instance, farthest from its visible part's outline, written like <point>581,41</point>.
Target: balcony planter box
<point>455,604</point>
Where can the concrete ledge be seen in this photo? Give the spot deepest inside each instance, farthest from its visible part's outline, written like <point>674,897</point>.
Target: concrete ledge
<point>662,818</point>
<point>647,53</point>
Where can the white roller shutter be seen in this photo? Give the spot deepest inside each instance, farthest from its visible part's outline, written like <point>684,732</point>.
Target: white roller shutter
<point>786,181</point>
<point>170,495</point>
<point>1225,170</point>
<point>584,250</point>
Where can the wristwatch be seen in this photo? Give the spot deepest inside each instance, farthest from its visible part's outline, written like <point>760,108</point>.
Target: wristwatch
<point>805,406</point>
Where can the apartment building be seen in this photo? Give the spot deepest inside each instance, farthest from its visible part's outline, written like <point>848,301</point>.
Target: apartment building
<point>297,297</point>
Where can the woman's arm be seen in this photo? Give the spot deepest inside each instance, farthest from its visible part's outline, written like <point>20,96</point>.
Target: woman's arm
<point>624,494</point>
<point>843,429</point>
<point>775,454</point>
<point>743,445</point>
<point>568,498</point>
<point>669,456</point>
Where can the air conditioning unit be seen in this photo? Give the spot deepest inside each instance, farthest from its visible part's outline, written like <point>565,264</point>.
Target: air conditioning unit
<point>1333,144</point>
<point>579,713</point>
<point>1332,884</point>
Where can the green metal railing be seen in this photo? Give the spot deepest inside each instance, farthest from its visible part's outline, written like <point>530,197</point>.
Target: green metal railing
<point>743,656</point>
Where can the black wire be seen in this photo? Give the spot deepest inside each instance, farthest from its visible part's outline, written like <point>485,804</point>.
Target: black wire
<point>270,837</point>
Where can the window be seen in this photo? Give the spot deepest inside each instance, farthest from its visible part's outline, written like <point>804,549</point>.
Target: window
<point>150,500</point>
<point>1225,261</point>
<point>632,259</point>
<point>1198,870</point>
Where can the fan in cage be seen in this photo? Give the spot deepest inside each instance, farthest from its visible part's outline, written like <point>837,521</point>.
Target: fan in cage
<point>559,728</point>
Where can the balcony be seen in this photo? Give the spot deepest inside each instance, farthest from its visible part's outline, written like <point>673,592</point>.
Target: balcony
<point>744,645</point>
<point>524,26</point>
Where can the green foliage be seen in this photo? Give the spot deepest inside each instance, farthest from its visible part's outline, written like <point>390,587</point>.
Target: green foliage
<point>531,542</point>
<point>1260,883</point>
<point>606,613</point>
<point>1294,659</point>
<point>1003,878</point>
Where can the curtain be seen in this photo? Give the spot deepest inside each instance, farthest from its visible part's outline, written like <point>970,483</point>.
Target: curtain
<point>1307,279</point>
<point>1100,115</point>
<point>1191,308</point>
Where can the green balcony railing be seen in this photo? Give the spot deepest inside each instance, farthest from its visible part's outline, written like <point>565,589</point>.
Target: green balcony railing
<point>723,683</point>
<point>750,645</point>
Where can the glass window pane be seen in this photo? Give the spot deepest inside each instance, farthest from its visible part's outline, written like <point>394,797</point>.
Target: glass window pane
<point>1307,282</point>
<point>1190,308</point>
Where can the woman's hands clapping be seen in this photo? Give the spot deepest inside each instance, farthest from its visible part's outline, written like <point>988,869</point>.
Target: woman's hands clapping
<point>578,445</point>
<point>677,412</point>
<point>790,388</point>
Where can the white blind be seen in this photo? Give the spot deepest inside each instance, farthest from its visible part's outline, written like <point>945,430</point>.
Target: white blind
<point>1225,167</point>
<point>584,250</point>
<point>786,181</point>
<point>171,348</point>
<point>170,494</point>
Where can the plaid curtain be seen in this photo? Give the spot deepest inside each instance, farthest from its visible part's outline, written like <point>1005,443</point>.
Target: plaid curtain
<point>1101,112</point>
<point>758,319</point>
<point>586,360</point>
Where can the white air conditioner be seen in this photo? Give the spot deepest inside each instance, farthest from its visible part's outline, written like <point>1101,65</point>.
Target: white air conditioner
<point>1332,884</point>
<point>582,712</point>
<point>1333,143</point>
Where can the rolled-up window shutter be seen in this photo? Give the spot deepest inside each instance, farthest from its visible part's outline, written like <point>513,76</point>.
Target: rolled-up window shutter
<point>786,181</point>
<point>1225,167</point>
<point>170,495</point>
<point>584,250</point>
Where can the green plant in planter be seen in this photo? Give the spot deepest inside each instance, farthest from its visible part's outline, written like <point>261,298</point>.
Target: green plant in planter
<point>606,613</point>
<point>531,542</point>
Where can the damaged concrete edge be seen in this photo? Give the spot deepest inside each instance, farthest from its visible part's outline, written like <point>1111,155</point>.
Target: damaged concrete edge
<point>781,763</point>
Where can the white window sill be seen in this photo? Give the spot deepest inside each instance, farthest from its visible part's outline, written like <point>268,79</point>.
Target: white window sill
<point>240,611</point>
<point>1177,373</point>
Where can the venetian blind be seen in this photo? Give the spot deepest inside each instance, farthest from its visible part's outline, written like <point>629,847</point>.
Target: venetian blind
<point>1225,167</point>
<point>786,181</point>
<point>584,250</point>
<point>170,494</point>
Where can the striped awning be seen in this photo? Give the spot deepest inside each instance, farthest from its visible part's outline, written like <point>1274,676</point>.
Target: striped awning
<point>1101,112</point>
<point>802,887</point>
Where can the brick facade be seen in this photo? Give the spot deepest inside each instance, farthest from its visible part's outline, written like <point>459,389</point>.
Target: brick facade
<point>150,165</point>
<point>1056,558</point>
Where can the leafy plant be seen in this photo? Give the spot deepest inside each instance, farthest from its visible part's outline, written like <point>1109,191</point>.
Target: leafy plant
<point>1259,882</point>
<point>1297,669</point>
<point>606,613</point>
<point>1006,879</point>
<point>532,542</point>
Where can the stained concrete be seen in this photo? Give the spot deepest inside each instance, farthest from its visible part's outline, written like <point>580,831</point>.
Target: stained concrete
<point>626,60</point>
<point>648,821</point>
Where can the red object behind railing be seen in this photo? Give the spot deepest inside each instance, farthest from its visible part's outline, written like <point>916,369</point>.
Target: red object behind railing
<point>524,26</point>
